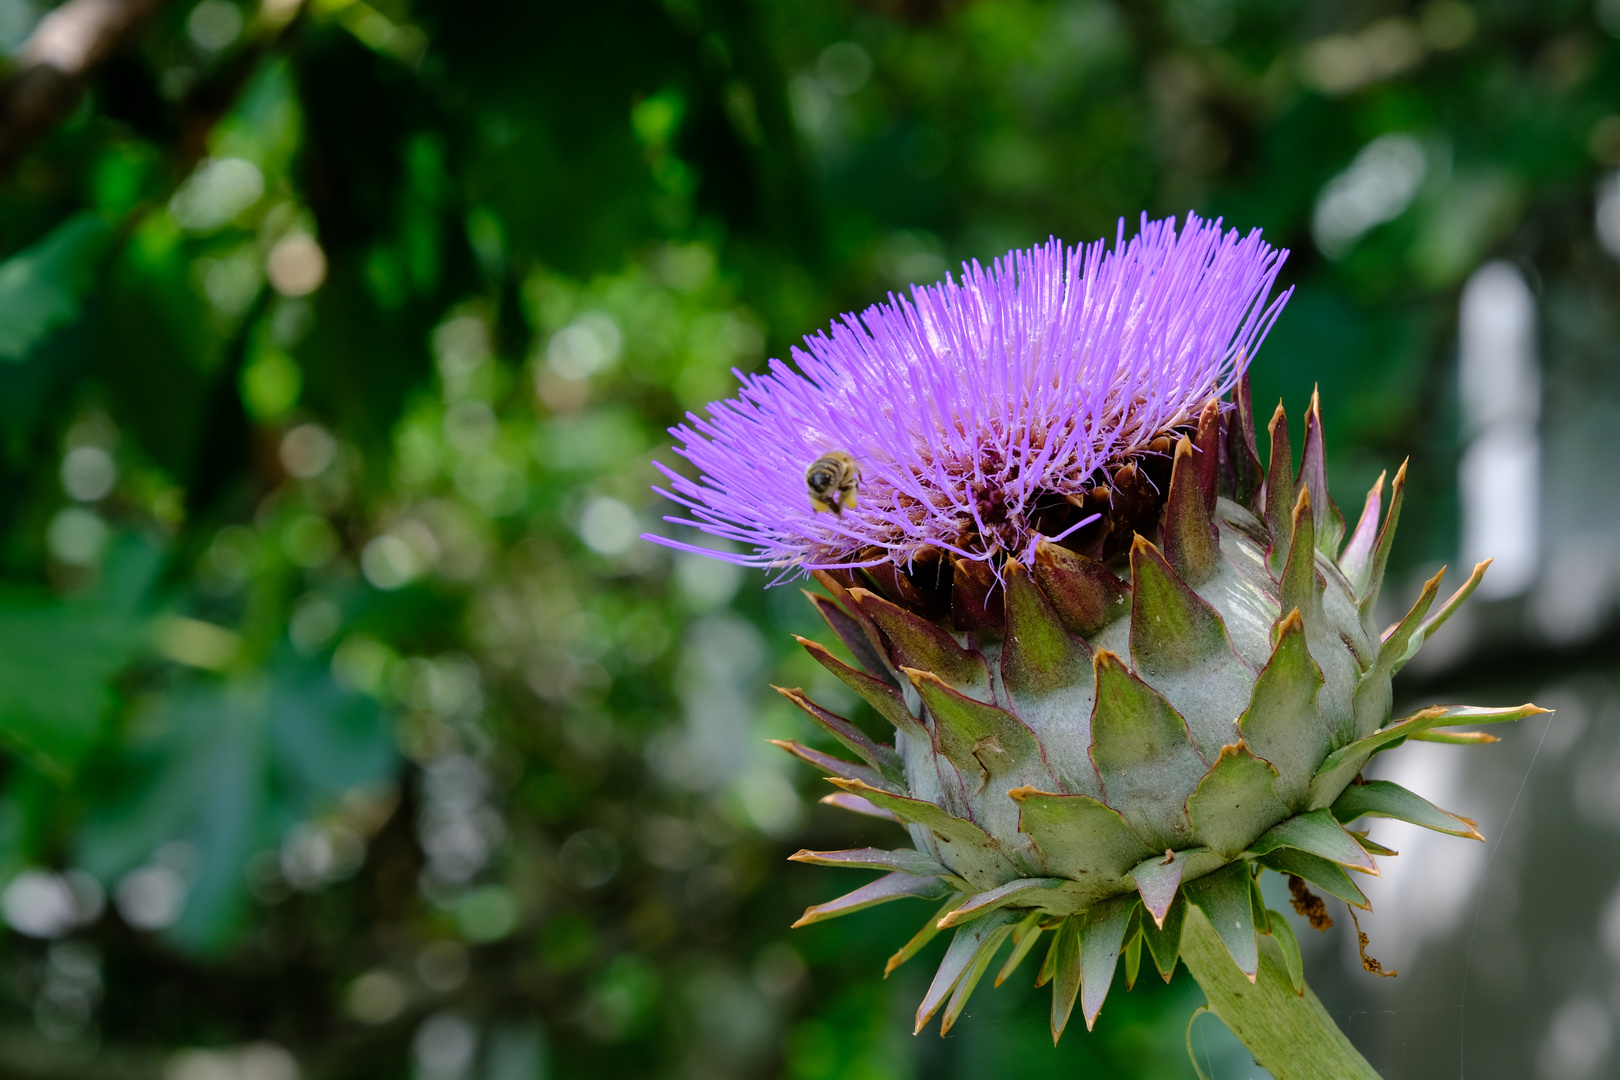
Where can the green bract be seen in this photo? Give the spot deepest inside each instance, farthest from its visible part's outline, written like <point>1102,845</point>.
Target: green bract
<point>1083,747</point>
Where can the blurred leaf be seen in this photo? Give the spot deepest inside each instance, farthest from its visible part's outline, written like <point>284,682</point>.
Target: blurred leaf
<point>227,768</point>
<point>326,739</point>
<point>227,789</point>
<point>43,286</point>
<point>55,661</point>
<point>57,658</point>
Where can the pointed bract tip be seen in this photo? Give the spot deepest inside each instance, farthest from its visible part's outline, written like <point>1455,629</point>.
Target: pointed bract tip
<point>1302,505</point>
<point>918,676</point>
<point>1107,659</point>
<point>1428,712</point>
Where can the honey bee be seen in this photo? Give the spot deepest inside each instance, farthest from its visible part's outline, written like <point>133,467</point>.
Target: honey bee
<point>833,480</point>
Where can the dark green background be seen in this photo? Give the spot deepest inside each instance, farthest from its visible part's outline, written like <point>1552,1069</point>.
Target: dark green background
<point>282,694</point>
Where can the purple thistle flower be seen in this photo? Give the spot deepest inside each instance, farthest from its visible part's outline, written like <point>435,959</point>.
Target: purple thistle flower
<point>972,400</point>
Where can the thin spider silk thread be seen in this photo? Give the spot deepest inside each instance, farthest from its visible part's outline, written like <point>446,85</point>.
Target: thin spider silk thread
<point>1479,907</point>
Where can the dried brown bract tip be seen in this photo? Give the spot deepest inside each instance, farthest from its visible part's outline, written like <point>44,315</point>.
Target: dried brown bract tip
<point>1308,905</point>
<point>1367,962</point>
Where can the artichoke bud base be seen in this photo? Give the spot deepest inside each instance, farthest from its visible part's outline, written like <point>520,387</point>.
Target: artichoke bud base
<point>1126,727</point>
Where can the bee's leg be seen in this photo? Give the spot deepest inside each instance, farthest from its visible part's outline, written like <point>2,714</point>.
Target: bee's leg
<point>847,497</point>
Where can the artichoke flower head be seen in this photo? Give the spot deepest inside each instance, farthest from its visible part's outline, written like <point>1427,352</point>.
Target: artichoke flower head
<point>1126,666</point>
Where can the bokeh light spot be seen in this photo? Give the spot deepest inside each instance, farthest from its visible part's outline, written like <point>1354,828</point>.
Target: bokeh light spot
<point>76,536</point>
<point>88,473</point>
<point>296,266</point>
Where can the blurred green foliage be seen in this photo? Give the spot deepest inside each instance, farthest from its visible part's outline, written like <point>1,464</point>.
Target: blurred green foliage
<point>346,719</point>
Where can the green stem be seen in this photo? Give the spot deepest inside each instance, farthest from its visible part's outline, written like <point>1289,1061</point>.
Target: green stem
<point>1290,1035</point>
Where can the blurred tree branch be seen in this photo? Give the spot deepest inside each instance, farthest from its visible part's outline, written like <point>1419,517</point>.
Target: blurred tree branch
<point>56,61</point>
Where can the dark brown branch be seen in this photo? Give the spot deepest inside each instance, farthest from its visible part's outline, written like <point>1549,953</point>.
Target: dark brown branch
<point>57,60</point>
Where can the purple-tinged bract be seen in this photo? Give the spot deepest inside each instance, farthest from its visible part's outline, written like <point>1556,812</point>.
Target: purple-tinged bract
<point>973,402</point>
